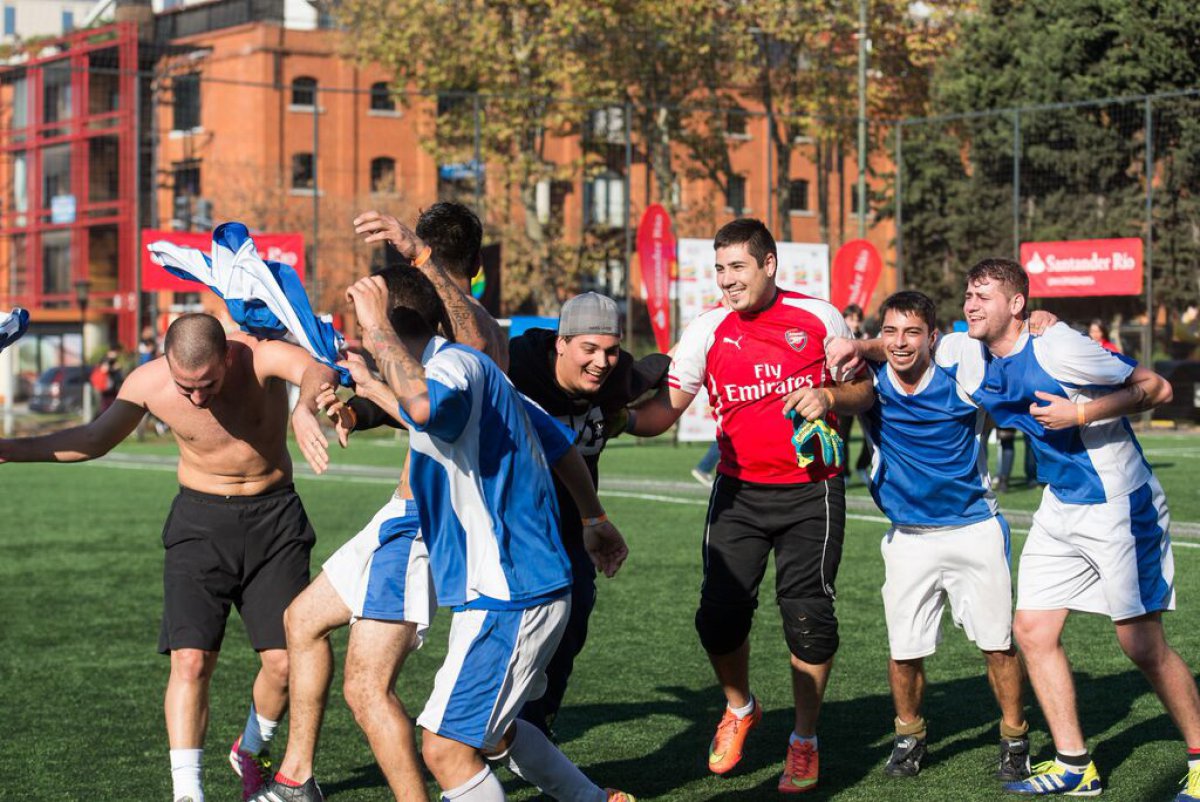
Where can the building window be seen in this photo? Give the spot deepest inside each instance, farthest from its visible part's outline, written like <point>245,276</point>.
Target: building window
<point>735,194</point>
<point>56,263</point>
<point>56,173</point>
<point>56,93</point>
<point>302,171</point>
<point>607,125</point>
<point>187,187</point>
<point>304,91</point>
<point>10,21</point>
<point>187,102</point>
<point>383,174</point>
<point>604,201</point>
<point>735,123</point>
<point>798,196</point>
<point>68,21</point>
<point>381,98</point>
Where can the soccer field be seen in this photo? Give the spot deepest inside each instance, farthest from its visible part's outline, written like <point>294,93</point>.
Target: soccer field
<point>81,683</point>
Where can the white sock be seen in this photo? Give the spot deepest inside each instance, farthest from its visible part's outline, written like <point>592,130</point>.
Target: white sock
<point>266,727</point>
<point>533,758</point>
<point>185,773</point>
<point>483,787</point>
<point>801,739</point>
<point>744,710</point>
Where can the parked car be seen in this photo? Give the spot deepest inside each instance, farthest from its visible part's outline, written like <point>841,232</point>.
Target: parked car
<point>60,389</point>
<point>1184,376</point>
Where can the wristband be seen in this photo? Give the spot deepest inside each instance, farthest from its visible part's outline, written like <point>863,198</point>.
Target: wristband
<point>1080,414</point>
<point>353,417</point>
<point>828,395</point>
<point>630,421</point>
<point>599,519</point>
<point>423,256</point>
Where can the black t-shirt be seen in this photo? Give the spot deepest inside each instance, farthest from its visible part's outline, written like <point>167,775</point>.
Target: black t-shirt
<point>531,369</point>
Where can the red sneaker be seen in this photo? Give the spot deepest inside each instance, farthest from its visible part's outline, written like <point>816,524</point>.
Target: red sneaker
<point>800,768</point>
<point>726,748</point>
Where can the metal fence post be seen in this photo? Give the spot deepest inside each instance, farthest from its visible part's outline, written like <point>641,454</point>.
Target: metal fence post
<point>1016,188</point>
<point>478,161</point>
<point>1148,262</point>
<point>315,281</point>
<point>899,190</point>
<point>628,116</point>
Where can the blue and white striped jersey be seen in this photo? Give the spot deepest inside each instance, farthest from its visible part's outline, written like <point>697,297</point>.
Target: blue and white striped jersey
<point>1082,465</point>
<point>480,474</point>
<point>928,468</point>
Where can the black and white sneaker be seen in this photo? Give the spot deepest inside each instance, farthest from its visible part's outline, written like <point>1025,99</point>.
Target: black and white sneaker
<point>907,753</point>
<point>1014,759</point>
<point>278,792</point>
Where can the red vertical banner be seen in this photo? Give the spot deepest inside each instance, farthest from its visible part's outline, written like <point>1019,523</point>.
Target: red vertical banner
<point>656,256</point>
<point>856,269</point>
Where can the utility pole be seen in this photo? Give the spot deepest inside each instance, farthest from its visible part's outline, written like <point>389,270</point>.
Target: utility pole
<point>862,118</point>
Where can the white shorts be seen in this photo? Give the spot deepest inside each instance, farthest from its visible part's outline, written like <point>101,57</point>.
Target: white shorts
<point>496,662</point>
<point>967,566</point>
<point>382,573</point>
<point>1112,558</point>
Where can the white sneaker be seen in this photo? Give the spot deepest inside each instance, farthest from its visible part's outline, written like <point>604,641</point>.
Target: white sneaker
<point>703,478</point>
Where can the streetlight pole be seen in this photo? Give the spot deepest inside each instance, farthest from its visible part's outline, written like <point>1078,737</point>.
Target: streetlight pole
<point>82,288</point>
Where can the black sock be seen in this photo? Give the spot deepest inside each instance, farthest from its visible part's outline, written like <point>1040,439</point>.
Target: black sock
<point>1077,763</point>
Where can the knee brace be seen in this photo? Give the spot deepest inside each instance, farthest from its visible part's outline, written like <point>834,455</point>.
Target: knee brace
<point>723,629</point>
<point>810,627</point>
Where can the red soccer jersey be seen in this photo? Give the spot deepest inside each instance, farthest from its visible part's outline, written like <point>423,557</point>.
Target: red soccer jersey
<point>749,362</point>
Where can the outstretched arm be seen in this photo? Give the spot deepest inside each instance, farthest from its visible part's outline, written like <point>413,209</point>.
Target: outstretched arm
<point>92,440</point>
<point>473,326</point>
<point>659,413</point>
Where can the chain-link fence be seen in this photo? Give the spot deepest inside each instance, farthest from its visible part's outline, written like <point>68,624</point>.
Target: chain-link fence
<point>975,185</point>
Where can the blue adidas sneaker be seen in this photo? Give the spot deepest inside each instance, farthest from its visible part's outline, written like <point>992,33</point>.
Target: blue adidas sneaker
<point>1052,777</point>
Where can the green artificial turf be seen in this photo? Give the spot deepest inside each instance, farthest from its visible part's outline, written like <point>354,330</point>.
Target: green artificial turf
<point>81,683</point>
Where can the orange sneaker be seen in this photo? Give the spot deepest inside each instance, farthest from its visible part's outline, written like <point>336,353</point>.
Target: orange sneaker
<point>726,748</point>
<point>800,768</point>
<point>619,796</point>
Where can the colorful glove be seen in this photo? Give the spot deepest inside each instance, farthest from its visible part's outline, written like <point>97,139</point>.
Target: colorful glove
<point>833,449</point>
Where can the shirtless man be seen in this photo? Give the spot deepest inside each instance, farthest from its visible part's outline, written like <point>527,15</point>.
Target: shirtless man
<point>237,533</point>
<point>378,581</point>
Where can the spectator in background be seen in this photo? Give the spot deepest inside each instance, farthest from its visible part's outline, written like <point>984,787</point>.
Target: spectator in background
<point>147,347</point>
<point>107,378</point>
<point>853,315</point>
<point>1098,331</point>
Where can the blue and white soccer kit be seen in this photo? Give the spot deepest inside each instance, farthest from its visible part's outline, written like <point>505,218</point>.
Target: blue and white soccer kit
<point>1100,540</point>
<point>947,541</point>
<point>480,474</point>
<point>382,573</point>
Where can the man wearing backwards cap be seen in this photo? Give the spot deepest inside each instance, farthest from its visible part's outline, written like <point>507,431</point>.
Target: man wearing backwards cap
<point>581,376</point>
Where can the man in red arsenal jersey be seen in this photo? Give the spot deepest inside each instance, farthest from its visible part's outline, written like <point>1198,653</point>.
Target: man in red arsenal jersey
<point>760,356</point>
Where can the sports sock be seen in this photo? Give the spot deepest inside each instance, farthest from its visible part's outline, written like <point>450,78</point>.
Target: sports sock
<point>1074,762</point>
<point>744,710</point>
<point>915,727</point>
<point>533,758</point>
<point>1193,757</point>
<point>258,732</point>
<point>483,787</point>
<point>803,739</point>
<point>185,773</point>
<point>1012,733</point>
<point>288,781</point>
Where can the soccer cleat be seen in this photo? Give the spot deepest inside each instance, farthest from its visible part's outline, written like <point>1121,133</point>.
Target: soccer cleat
<point>276,791</point>
<point>1052,777</point>
<point>800,768</point>
<point>253,769</point>
<point>1014,759</point>
<point>619,796</point>
<point>1191,787</point>
<point>907,753</point>
<point>726,748</point>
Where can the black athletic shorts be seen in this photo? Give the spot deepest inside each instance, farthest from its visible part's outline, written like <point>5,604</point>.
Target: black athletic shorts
<point>804,524</point>
<point>221,551</point>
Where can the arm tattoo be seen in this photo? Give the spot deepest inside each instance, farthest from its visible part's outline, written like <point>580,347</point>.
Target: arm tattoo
<point>402,372</point>
<point>464,315</point>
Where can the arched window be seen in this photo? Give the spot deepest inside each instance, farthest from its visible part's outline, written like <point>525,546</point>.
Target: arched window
<point>304,91</point>
<point>383,174</point>
<point>381,97</point>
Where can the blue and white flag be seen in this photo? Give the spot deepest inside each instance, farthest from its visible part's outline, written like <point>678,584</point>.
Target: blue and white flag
<point>266,299</point>
<point>13,326</point>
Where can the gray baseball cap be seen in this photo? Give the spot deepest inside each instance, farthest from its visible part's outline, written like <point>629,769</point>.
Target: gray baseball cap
<point>589,313</point>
